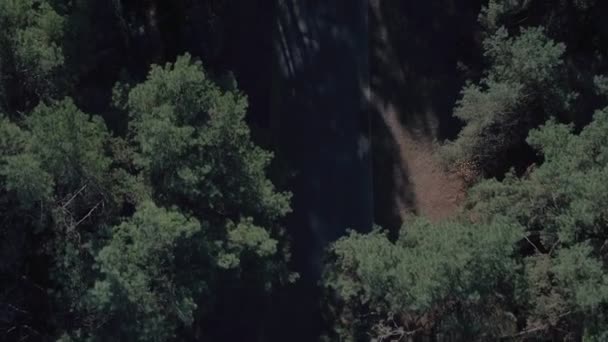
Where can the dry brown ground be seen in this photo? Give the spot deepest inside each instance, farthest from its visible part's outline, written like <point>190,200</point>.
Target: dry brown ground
<point>435,192</point>
<point>419,183</point>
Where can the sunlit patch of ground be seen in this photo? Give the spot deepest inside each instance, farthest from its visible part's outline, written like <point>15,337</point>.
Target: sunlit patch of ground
<point>436,193</point>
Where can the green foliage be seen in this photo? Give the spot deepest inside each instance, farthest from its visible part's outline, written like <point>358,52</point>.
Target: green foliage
<point>72,145</point>
<point>196,146</point>
<point>447,278</point>
<point>245,237</point>
<point>21,171</point>
<point>31,56</point>
<point>522,88</point>
<point>498,13</point>
<point>164,270</point>
<point>492,15</point>
<point>58,183</point>
<point>65,180</point>
<point>12,139</point>
<point>58,151</point>
<point>531,59</point>
<point>154,270</point>
<point>24,188</point>
<point>561,203</point>
<point>25,177</point>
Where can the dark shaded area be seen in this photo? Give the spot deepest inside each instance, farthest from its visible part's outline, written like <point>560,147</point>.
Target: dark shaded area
<point>391,181</point>
<point>415,49</point>
<point>323,118</point>
<point>322,52</point>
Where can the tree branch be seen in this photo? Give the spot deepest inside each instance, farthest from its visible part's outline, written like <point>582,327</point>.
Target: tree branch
<point>74,196</point>
<point>87,215</point>
<point>533,245</point>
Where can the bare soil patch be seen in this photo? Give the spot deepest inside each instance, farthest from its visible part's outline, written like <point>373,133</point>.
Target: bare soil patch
<point>436,193</point>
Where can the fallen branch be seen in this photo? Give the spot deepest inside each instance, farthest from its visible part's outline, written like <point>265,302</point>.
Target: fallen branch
<point>87,215</point>
<point>74,196</point>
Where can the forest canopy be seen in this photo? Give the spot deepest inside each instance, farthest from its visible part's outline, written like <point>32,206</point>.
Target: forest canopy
<point>142,200</point>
